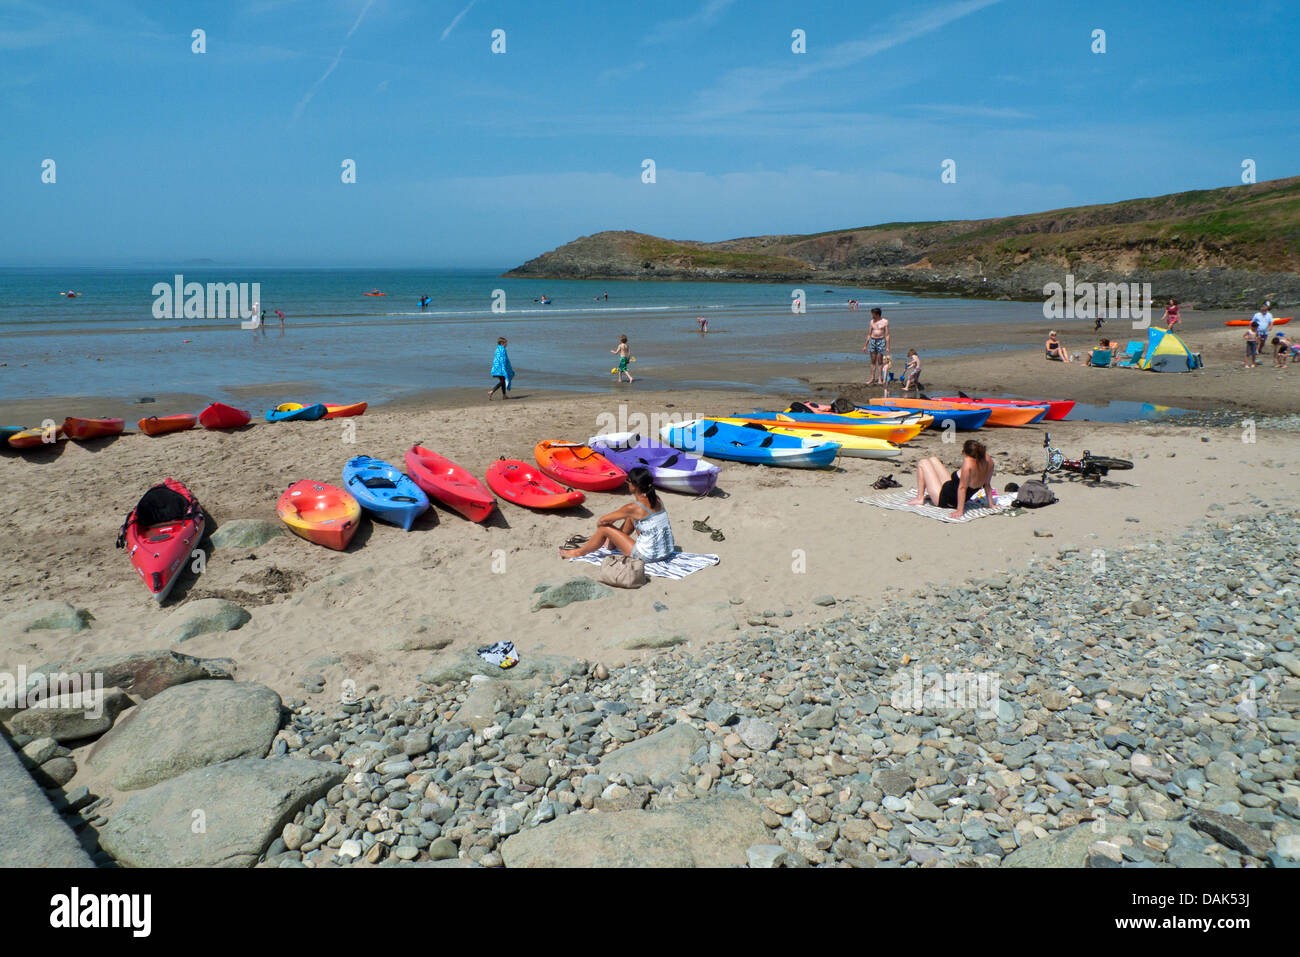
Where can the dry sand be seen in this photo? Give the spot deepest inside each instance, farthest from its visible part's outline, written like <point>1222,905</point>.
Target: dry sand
<point>791,535</point>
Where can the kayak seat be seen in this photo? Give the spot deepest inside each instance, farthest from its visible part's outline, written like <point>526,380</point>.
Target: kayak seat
<point>711,431</point>
<point>376,481</point>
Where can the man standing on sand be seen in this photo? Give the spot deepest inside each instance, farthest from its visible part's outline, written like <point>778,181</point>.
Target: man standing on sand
<point>877,344</point>
<point>1264,321</point>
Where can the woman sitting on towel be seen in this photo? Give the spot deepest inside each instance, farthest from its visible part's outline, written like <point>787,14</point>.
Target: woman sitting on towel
<point>975,475</point>
<point>640,528</point>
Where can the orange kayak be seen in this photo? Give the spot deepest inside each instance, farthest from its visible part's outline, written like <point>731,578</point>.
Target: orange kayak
<point>77,428</point>
<point>1245,322</point>
<point>320,513</point>
<point>578,466</point>
<point>159,424</point>
<point>1001,415</point>
<point>343,411</point>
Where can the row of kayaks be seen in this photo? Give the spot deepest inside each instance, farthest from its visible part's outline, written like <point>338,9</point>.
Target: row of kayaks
<point>167,524</point>
<point>328,515</point>
<point>809,436</point>
<point>218,415</point>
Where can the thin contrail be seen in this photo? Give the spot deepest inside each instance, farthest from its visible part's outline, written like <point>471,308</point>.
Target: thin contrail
<point>455,20</point>
<point>302,104</point>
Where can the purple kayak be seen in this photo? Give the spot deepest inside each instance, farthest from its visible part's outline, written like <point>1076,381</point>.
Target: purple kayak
<point>671,469</point>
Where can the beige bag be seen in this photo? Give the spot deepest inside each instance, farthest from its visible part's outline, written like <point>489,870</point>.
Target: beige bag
<point>622,571</point>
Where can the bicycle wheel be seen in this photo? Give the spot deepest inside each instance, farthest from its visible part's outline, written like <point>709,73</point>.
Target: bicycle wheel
<point>1105,462</point>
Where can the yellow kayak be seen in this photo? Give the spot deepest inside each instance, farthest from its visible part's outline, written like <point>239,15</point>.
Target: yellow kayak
<point>854,446</point>
<point>866,428</point>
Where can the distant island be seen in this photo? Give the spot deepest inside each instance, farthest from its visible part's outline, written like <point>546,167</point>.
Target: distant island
<point>1218,247</point>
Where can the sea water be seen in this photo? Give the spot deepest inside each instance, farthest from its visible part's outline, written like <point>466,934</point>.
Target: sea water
<point>340,345</point>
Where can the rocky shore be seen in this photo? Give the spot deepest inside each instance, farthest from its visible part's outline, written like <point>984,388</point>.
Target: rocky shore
<point>1144,712</point>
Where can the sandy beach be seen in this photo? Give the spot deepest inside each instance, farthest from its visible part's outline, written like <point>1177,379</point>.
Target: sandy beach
<point>396,606</point>
<point>308,602</point>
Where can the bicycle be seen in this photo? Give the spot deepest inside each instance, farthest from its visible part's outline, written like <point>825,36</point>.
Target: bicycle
<point>1094,467</point>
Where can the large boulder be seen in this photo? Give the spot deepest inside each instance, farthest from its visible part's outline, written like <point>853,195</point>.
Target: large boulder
<point>45,615</point>
<point>481,705</point>
<point>71,716</point>
<point>144,673</point>
<point>245,533</point>
<point>31,832</point>
<point>575,589</point>
<point>223,815</point>
<point>189,726</point>
<point>201,617</point>
<point>712,832</point>
<point>655,756</point>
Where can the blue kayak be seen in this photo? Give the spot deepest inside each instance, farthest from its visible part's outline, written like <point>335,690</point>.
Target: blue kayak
<point>384,491</point>
<point>753,445</point>
<point>293,412</point>
<point>963,420</point>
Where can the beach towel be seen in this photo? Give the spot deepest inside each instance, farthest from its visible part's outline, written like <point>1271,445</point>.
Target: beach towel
<point>675,568</point>
<point>501,365</point>
<point>898,498</point>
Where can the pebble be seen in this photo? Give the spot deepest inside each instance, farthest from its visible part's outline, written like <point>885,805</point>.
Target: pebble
<point>1117,695</point>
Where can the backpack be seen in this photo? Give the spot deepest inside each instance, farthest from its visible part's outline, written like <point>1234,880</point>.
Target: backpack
<point>842,405</point>
<point>1034,494</point>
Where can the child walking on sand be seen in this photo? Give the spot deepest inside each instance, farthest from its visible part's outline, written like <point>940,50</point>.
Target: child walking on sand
<point>1252,344</point>
<point>502,369</point>
<point>624,354</point>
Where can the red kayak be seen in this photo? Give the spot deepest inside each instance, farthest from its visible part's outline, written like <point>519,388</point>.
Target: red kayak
<point>1056,408</point>
<point>526,485</point>
<point>450,484</point>
<point>221,416</point>
<point>161,533</point>
<point>160,424</point>
<point>76,428</point>
<point>1245,322</point>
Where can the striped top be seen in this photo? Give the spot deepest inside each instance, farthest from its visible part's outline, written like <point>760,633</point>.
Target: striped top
<point>654,537</point>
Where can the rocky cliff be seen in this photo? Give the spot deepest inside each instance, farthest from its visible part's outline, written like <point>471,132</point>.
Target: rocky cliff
<point>1218,247</point>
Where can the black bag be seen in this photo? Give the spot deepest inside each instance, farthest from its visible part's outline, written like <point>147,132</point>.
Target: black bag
<point>842,405</point>
<point>1034,494</point>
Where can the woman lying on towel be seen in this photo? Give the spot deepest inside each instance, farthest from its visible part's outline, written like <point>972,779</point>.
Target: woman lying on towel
<point>640,528</point>
<point>975,475</point>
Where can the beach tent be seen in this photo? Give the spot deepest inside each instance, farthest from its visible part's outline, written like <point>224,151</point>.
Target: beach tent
<point>1165,352</point>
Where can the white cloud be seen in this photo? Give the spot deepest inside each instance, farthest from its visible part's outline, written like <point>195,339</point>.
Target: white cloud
<point>748,88</point>
<point>672,29</point>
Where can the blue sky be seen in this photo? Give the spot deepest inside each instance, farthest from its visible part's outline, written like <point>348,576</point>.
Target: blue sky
<point>466,158</point>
